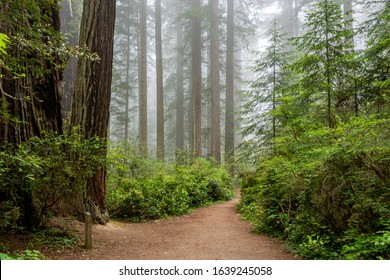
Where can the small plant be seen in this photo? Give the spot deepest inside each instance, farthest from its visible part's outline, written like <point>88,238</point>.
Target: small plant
<point>24,255</point>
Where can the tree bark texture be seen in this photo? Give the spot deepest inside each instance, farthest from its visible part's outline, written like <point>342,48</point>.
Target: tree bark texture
<point>143,80</point>
<point>31,102</point>
<point>230,78</point>
<point>35,99</point>
<point>91,100</point>
<point>196,74</point>
<point>160,88</point>
<point>179,80</point>
<point>215,80</point>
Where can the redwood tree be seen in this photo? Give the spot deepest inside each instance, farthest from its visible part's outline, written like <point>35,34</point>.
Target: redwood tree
<point>179,80</point>
<point>229,116</point>
<point>91,99</point>
<point>159,79</point>
<point>143,79</point>
<point>196,75</point>
<point>30,74</point>
<point>215,87</point>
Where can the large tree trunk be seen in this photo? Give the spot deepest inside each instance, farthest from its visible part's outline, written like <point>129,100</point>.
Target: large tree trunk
<point>196,79</point>
<point>215,87</point>
<point>29,104</point>
<point>160,88</point>
<point>143,80</point>
<point>91,100</point>
<point>179,80</point>
<point>229,116</point>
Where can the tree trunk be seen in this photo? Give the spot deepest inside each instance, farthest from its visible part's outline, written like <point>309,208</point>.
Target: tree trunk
<point>196,79</point>
<point>30,104</point>
<point>159,79</point>
<point>127,93</point>
<point>229,115</point>
<point>348,12</point>
<point>143,80</point>
<point>179,80</point>
<point>91,100</point>
<point>215,79</point>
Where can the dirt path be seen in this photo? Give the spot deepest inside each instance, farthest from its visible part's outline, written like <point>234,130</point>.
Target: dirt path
<point>216,232</point>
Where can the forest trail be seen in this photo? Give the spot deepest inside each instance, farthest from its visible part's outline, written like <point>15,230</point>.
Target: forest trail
<point>215,232</point>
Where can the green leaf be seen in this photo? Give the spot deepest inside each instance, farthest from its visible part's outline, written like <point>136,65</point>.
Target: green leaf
<point>4,39</point>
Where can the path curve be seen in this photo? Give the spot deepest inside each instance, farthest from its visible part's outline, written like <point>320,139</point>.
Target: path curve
<point>215,232</point>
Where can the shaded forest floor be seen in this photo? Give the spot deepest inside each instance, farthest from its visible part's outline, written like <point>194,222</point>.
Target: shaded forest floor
<point>215,232</point>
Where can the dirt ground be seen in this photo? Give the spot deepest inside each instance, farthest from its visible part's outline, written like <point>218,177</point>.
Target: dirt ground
<point>215,232</point>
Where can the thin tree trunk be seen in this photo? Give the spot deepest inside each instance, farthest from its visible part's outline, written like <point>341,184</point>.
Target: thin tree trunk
<point>179,80</point>
<point>215,79</point>
<point>91,100</point>
<point>143,80</point>
<point>127,93</point>
<point>229,116</point>
<point>196,79</point>
<point>160,89</point>
<point>348,9</point>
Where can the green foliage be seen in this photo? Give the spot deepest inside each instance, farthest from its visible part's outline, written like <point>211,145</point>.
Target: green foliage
<point>141,189</point>
<point>331,197</point>
<point>24,255</point>
<point>4,39</point>
<point>34,45</point>
<point>46,168</point>
<point>265,90</point>
<point>325,186</point>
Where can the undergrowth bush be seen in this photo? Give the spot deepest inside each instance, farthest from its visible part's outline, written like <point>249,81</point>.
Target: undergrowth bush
<point>329,196</point>
<point>37,174</point>
<point>141,189</point>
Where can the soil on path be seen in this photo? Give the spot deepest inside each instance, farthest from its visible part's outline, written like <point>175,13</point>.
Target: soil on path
<point>215,232</point>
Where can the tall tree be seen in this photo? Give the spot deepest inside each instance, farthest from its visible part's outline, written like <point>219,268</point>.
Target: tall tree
<point>159,79</point>
<point>30,73</point>
<point>30,81</point>
<point>215,80</point>
<point>124,107</point>
<point>230,78</point>
<point>179,79</point>
<point>196,75</point>
<point>325,53</point>
<point>261,101</point>
<point>91,99</point>
<point>143,78</point>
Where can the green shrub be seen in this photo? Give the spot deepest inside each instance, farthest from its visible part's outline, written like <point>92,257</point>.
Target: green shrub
<point>24,255</point>
<point>329,196</point>
<point>141,189</point>
<point>38,173</point>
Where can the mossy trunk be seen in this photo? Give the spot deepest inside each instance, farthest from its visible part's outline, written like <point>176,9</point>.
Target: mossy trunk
<point>30,91</point>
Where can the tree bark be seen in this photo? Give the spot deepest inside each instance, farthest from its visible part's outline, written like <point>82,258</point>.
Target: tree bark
<point>29,104</point>
<point>143,81</point>
<point>215,80</point>
<point>196,79</point>
<point>91,99</point>
<point>230,78</point>
<point>179,80</point>
<point>160,88</point>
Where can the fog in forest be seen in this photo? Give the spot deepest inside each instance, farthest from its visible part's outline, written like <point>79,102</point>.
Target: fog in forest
<point>241,32</point>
